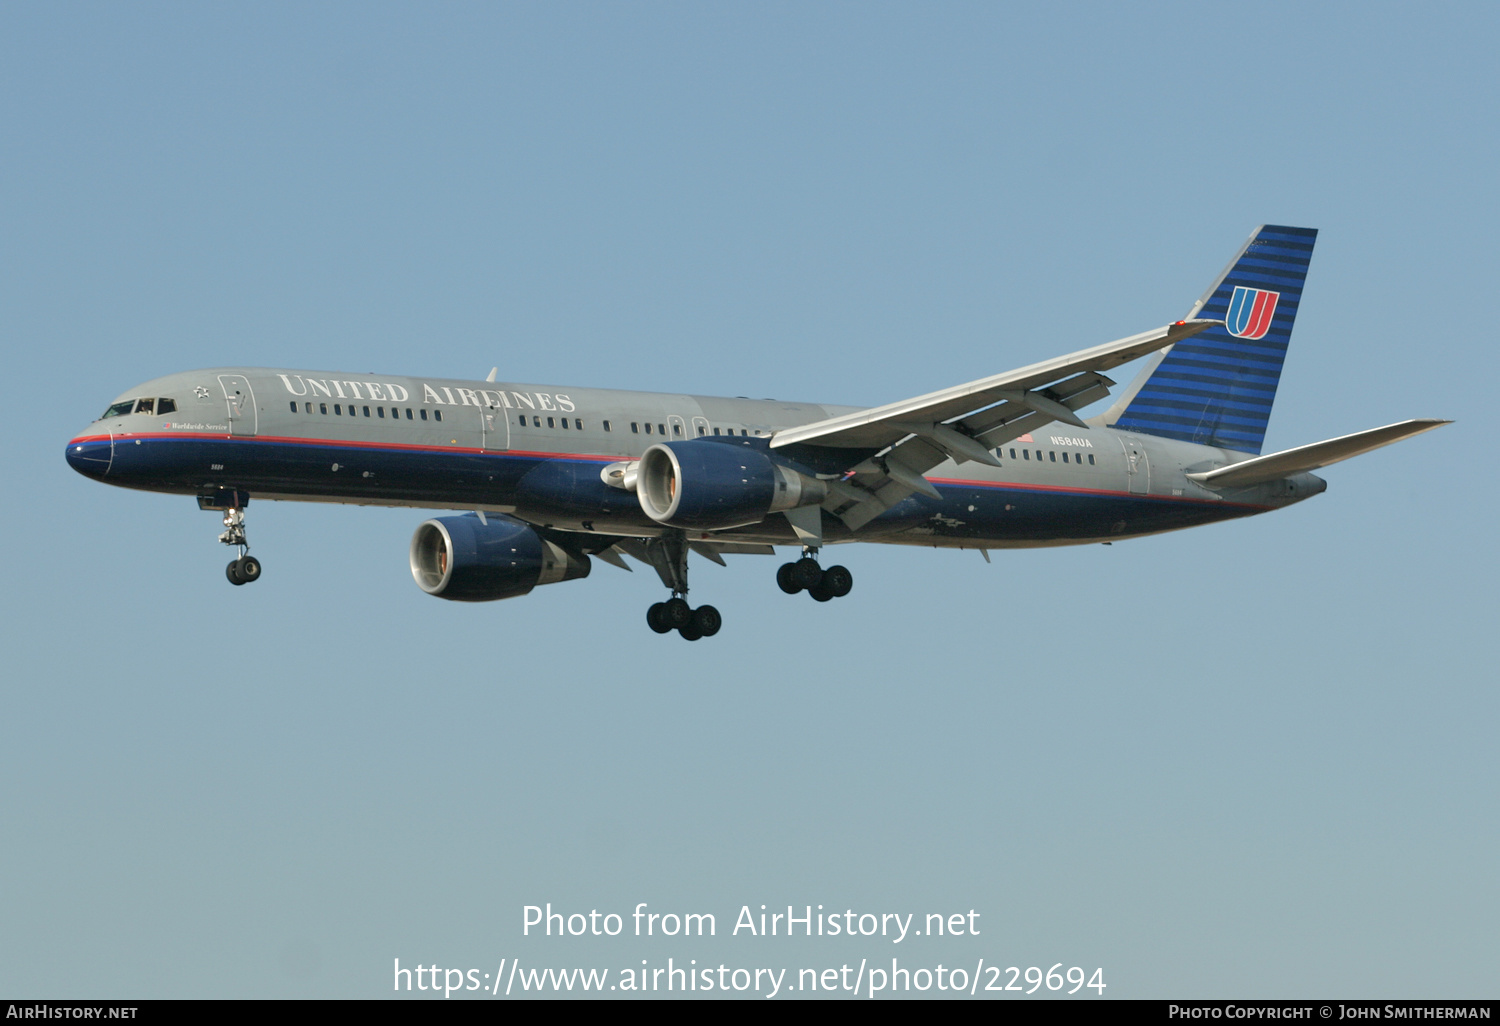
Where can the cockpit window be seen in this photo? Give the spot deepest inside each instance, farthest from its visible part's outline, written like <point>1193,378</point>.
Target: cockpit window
<point>147,406</point>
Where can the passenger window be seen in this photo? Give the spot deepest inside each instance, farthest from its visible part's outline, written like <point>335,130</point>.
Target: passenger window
<point>716,430</point>
<point>309,407</point>
<point>635,428</point>
<point>1065,457</point>
<point>702,430</point>
<point>1091,459</point>
<point>661,429</point>
<point>423,412</point>
<point>294,408</point>
<point>1039,455</point>
<point>1013,454</point>
<point>677,430</point>
<point>648,428</point>
<point>367,411</point>
<point>1052,455</point>
<point>1026,453</point>
<point>550,424</point>
<point>323,409</point>
<point>166,406</point>
<point>395,413</point>
<point>606,425</point>
<point>743,432</point>
<point>536,421</point>
<point>437,415</point>
<point>380,411</point>
<point>578,423</point>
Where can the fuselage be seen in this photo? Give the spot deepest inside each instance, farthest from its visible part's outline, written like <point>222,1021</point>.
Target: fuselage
<point>541,453</point>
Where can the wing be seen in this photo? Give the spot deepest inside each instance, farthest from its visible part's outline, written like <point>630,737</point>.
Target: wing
<point>964,422</point>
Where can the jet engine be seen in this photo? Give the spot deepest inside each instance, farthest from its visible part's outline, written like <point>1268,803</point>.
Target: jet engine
<point>471,560</point>
<point>709,485</point>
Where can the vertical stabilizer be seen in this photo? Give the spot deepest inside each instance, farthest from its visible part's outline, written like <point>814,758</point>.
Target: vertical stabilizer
<point>1217,387</point>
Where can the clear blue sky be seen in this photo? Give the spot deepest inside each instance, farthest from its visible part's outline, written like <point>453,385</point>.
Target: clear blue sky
<point>1250,759</point>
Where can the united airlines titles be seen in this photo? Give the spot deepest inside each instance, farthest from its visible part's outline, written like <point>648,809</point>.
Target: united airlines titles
<point>442,395</point>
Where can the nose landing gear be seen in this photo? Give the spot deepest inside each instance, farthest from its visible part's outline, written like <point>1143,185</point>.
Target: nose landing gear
<point>806,575</point>
<point>245,568</point>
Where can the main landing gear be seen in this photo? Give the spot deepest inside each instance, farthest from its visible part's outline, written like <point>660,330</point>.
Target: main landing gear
<point>246,568</point>
<point>668,555</point>
<point>806,575</point>
<point>676,615</point>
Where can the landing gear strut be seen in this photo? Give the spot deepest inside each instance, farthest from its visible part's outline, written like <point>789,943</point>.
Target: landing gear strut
<point>246,568</point>
<point>669,556</point>
<point>807,575</point>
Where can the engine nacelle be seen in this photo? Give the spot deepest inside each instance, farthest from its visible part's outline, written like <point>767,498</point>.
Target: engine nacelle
<point>715,485</point>
<point>463,559</point>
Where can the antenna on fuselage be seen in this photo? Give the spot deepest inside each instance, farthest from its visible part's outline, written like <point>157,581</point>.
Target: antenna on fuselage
<point>491,376</point>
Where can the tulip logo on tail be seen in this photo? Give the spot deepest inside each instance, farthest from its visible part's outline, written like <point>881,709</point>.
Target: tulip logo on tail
<point>1250,312</point>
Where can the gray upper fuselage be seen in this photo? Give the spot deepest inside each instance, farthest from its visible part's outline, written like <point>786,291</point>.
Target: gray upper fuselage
<point>537,451</point>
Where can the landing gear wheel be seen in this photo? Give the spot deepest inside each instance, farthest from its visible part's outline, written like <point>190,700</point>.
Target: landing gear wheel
<point>784,578</point>
<point>232,571</point>
<point>806,573</point>
<point>656,618</point>
<point>249,569</point>
<point>676,613</point>
<point>820,592</point>
<point>690,633</point>
<point>837,581</point>
<point>706,621</point>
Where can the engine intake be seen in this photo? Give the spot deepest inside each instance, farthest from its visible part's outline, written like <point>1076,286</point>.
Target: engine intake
<point>463,559</point>
<point>715,485</point>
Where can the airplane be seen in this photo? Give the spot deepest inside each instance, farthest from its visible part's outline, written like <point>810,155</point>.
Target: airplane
<point>553,477</point>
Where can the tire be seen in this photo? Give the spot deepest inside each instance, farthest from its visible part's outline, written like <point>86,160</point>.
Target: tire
<point>676,613</point>
<point>820,592</point>
<point>707,621</point>
<point>690,633</point>
<point>232,571</point>
<point>806,573</point>
<point>784,581</point>
<point>249,568</point>
<point>838,581</point>
<point>656,618</point>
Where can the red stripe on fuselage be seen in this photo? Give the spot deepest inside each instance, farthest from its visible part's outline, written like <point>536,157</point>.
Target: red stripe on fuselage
<point>1070,490</point>
<point>348,443</point>
<point>536,454</point>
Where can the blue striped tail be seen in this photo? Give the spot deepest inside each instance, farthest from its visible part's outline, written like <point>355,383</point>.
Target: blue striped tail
<point>1217,387</point>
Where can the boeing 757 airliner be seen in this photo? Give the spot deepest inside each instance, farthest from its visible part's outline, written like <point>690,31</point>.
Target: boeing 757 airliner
<point>557,475</point>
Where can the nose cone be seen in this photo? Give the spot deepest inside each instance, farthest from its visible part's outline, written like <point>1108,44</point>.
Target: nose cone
<point>91,456</point>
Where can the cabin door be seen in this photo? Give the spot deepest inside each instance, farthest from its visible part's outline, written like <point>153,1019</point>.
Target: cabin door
<point>240,400</point>
<point>1137,467</point>
<point>494,426</point>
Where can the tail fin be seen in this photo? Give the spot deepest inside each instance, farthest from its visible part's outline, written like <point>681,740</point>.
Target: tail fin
<point>1217,387</point>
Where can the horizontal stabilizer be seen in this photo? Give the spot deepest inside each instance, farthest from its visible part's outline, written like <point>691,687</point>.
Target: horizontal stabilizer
<point>1310,457</point>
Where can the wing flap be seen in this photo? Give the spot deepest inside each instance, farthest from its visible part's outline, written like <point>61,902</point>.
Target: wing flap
<point>1310,457</point>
